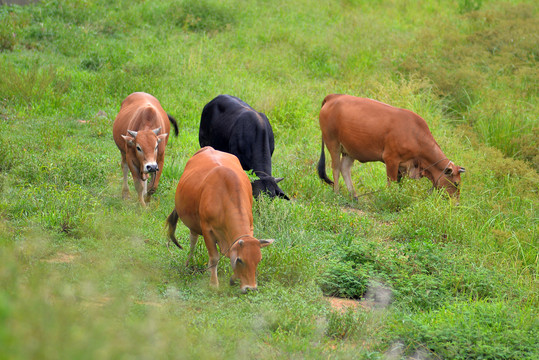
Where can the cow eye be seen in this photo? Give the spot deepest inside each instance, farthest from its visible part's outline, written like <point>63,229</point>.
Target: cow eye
<point>138,148</point>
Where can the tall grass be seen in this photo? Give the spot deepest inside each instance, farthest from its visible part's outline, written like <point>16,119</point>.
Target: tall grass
<point>86,274</point>
<point>484,65</point>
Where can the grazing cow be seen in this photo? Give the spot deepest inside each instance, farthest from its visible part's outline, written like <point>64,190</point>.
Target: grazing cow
<point>229,124</point>
<point>214,199</point>
<point>368,130</point>
<point>141,133</point>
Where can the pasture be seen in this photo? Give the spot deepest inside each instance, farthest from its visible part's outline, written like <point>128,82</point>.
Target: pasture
<point>85,274</point>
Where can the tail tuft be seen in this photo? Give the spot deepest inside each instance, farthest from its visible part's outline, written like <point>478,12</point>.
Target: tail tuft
<point>174,123</point>
<point>322,166</point>
<point>172,220</point>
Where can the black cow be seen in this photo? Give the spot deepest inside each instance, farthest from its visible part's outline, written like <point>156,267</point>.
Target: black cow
<point>231,125</point>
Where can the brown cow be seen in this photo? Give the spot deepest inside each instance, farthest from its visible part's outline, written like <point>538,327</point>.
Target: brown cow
<point>141,133</point>
<point>368,130</point>
<point>214,199</point>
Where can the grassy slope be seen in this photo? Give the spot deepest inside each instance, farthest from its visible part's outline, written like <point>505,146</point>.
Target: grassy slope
<point>85,274</point>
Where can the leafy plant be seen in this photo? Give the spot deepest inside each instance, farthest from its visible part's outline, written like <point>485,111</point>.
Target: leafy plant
<point>478,330</point>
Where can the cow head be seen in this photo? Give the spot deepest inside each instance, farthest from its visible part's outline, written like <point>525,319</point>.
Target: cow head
<point>145,144</point>
<point>267,184</point>
<point>245,255</point>
<point>449,179</point>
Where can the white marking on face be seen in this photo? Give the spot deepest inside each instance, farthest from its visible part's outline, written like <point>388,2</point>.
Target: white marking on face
<point>150,166</point>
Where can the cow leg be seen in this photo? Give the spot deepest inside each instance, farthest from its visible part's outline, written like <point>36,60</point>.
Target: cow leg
<point>140,185</point>
<point>335,152</point>
<point>149,190</point>
<point>213,253</point>
<point>392,170</point>
<point>193,239</point>
<point>346,170</point>
<point>125,170</point>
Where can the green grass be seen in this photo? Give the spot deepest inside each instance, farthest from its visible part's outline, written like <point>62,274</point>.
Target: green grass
<point>85,274</point>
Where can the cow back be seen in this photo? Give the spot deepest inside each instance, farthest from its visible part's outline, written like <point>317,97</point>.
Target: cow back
<point>367,128</point>
<point>229,124</point>
<point>213,186</point>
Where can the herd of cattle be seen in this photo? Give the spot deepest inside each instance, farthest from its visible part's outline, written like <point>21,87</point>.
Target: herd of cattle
<point>214,196</point>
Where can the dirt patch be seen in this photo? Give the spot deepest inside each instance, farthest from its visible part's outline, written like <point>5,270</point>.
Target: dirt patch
<point>61,258</point>
<point>354,211</point>
<point>96,302</point>
<point>343,305</point>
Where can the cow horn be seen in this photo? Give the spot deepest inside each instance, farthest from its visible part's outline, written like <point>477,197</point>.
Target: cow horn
<point>157,131</point>
<point>240,243</point>
<point>279,179</point>
<point>461,170</point>
<point>132,133</point>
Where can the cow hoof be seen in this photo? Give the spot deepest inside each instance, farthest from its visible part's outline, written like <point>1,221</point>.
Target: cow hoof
<point>151,192</point>
<point>125,195</point>
<point>232,281</point>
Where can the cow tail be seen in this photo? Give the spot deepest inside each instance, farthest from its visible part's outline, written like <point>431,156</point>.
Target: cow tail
<point>174,123</point>
<point>172,220</point>
<point>322,166</point>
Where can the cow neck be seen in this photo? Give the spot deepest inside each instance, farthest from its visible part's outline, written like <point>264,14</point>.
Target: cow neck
<point>434,159</point>
<point>435,165</point>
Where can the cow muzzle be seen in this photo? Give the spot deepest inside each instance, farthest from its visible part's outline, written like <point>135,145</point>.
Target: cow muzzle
<point>245,289</point>
<point>151,168</point>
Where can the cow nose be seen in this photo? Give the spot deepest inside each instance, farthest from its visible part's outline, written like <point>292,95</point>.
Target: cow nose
<point>152,168</point>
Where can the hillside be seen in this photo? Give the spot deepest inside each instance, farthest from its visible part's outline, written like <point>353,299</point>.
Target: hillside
<point>86,274</point>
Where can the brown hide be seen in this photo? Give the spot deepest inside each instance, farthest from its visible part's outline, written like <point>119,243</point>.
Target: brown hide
<point>368,130</point>
<point>214,199</point>
<point>141,133</point>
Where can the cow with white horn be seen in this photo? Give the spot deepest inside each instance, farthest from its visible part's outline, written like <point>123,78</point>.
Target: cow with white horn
<point>140,132</point>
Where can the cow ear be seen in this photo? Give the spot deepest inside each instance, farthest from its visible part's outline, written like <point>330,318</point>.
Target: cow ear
<point>129,140</point>
<point>161,137</point>
<point>266,242</point>
<point>157,131</point>
<point>279,179</point>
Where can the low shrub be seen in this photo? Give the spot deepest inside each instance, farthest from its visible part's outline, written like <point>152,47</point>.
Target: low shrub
<point>202,16</point>
<point>472,330</point>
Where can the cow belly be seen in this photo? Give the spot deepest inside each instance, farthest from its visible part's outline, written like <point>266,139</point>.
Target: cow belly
<point>361,153</point>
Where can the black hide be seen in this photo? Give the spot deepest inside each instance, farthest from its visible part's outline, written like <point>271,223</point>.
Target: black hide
<point>231,125</point>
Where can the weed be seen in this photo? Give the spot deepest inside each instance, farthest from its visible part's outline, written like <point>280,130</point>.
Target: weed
<point>342,325</point>
<point>468,330</point>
